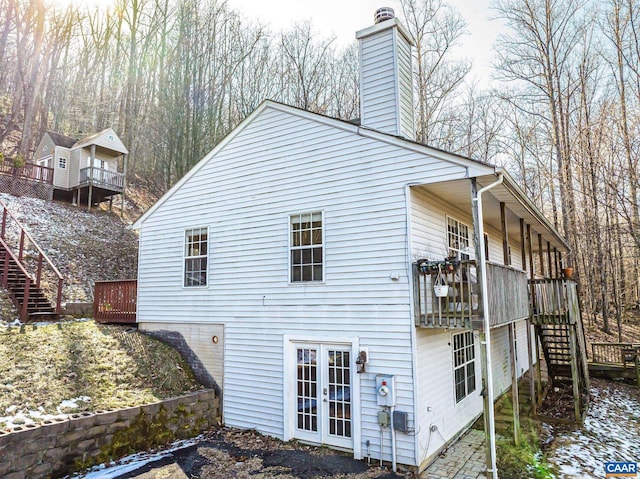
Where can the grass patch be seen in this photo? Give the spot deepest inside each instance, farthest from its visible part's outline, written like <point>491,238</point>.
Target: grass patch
<point>525,460</point>
<point>114,366</point>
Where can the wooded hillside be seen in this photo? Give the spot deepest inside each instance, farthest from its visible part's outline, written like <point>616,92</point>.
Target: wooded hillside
<point>173,77</point>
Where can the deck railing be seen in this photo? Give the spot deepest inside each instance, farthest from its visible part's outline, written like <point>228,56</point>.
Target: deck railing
<point>612,353</point>
<point>115,301</point>
<point>29,171</point>
<point>32,259</point>
<point>507,294</point>
<point>554,301</point>
<point>8,257</point>
<point>100,177</point>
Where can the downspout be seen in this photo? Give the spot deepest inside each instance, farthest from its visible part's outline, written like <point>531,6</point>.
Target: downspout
<point>413,334</point>
<point>477,199</point>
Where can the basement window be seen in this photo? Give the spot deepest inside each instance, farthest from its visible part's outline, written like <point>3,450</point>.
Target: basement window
<point>306,248</point>
<point>464,364</point>
<point>196,255</point>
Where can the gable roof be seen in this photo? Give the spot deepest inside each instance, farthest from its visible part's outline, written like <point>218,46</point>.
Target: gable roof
<point>478,167</point>
<point>61,140</point>
<point>474,168</point>
<point>114,143</point>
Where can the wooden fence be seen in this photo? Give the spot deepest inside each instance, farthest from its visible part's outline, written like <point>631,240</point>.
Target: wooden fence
<point>115,301</point>
<point>612,353</point>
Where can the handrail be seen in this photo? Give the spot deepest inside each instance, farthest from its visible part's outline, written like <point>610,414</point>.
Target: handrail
<point>42,256</point>
<point>5,277</point>
<point>610,353</point>
<point>30,171</point>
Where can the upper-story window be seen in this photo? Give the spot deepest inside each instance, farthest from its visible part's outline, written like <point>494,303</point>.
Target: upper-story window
<point>196,254</point>
<point>458,237</point>
<point>464,364</point>
<point>306,247</point>
<point>62,163</point>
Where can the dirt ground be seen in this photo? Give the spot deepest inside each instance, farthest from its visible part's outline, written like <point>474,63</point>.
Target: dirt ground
<point>226,453</point>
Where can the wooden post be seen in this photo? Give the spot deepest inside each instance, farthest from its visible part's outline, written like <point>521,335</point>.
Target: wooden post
<point>549,259</point>
<point>124,184</point>
<point>505,234</point>
<point>637,364</point>
<point>530,348</point>
<point>21,250</point>
<point>90,176</point>
<point>555,256</point>
<point>574,371</point>
<point>4,222</point>
<point>514,385</point>
<point>523,246</point>
<point>540,255</point>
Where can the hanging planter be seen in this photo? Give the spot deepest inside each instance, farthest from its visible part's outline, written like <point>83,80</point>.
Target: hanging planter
<point>440,286</point>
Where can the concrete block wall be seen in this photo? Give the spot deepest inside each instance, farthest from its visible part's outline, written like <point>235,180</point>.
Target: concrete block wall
<point>59,447</point>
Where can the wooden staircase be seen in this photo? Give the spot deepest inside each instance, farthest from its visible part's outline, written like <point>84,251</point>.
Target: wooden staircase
<point>36,294</point>
<point>559,329</point>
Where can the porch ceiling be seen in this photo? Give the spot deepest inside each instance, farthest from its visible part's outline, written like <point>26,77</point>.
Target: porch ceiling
<point>457,194</point>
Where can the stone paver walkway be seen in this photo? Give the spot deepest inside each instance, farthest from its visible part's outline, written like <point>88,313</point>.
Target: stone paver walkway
<point>465,459</point>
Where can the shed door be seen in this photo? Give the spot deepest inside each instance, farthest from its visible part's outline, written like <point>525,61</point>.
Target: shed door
<point>323,394</point>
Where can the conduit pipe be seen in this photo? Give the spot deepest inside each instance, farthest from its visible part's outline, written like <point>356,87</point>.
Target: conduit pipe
<point>487,326</point>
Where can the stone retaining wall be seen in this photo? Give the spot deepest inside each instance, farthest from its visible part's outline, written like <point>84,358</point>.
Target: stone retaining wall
<point>59,447</point>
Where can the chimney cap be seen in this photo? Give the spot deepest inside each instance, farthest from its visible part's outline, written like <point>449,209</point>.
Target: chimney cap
<point>382,14</point>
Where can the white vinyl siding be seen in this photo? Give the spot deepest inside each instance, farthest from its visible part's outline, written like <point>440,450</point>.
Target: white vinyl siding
<point>304,165</point>
<point>385,83</point>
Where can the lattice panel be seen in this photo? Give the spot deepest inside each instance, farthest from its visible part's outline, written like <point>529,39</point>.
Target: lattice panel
<point>21,187</point>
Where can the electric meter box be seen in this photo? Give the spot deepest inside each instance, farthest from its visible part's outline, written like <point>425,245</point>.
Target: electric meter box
<point>386,390</point>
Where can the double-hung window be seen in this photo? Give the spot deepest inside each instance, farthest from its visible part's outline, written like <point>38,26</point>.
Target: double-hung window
<point>458,237</point>
<point>464,364</point>
<point>306,247</point>
<point>196,255</point>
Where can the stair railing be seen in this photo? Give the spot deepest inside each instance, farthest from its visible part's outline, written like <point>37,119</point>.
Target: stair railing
<point>9,254</point>
<point>44,263</point>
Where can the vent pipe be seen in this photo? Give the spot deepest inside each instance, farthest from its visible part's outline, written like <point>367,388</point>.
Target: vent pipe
<point>382,14</point>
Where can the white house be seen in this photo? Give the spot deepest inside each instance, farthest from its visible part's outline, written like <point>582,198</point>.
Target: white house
<point>84,170</point>
<point>288,259</point>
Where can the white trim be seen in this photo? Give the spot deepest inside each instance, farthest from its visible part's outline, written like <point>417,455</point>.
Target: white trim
<point>184,257</point>
<point>412,327</point>
<point>396,80</point>
<point>469,241</point>
<point>324,249</point>
<point>288,346</point>
<point>468,394</point>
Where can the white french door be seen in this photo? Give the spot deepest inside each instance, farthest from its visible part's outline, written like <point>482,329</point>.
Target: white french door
<point>323,394</point>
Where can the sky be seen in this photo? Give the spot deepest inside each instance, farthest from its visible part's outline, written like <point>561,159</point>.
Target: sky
<point>342,18</point>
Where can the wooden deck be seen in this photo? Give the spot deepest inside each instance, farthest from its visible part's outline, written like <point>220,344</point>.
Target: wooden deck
<point>460,308</point>
<point>115,301</point>
<point>30,171</point>
<point>99,177</point>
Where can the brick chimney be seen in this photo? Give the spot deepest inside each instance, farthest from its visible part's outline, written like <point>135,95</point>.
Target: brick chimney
<point>386,80</point>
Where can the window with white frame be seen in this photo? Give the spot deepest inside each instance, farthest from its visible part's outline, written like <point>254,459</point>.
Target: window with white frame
<point>62,163</point>
<point>196,254</point>
<point>458,238</point>
<point>306,247</point>
<point>464,364</point>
